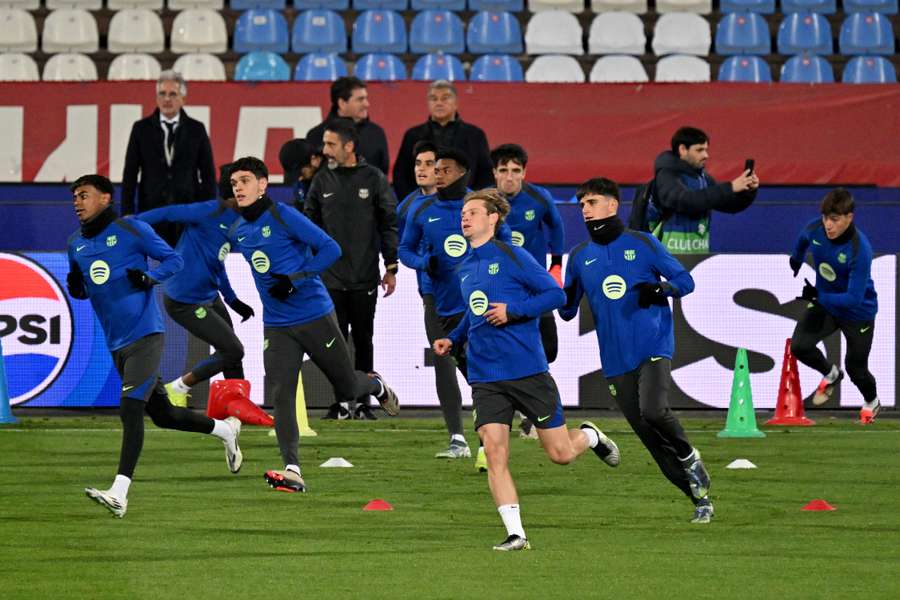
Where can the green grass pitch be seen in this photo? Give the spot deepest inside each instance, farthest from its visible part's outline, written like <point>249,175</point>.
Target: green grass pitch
<point>195,531</point>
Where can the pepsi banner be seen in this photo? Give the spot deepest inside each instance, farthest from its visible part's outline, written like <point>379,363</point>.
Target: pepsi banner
<point>56,355</point>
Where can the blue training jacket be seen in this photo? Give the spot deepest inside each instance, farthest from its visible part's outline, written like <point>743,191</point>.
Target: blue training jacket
<point>626,333</point>
<point>499,272</point>
<point>126,313</point>
<point>535,222</point>
<point>204,246</point>
<point>843,272</point>
<point>405,209</point>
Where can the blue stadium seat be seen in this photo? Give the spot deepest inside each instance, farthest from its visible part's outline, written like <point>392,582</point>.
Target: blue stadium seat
<point>807,68</point>
<point>496,67</point>
<point>261,29</point>
<point>497,5</point>
<point>380,67</point>
<point>866,33</point>
<point>262,66</point>
<point>743,33</point>
<point>804,32</point>
<point>320,66</point>
<point>248,4</point>
<point>751,69</point>
<point>319,30</point>
<point>493,32</point>
<point>437,31</point>
<point>869,69</point>
<point>432,67</point>
<point>885,7</point>
<point>763,7</point>
<point>321,4</point>
<point>379,31</point>
<point>822,7</point>
<point>380,4</point>
<point>456,5</point>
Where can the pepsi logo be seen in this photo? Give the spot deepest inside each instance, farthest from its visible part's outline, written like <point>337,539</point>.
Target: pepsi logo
<point>35,327</point>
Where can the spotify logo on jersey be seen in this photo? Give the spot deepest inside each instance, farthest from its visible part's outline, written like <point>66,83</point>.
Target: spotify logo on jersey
<point>99,272</point>
<point>827,272</point>
<point>455,245</point>
<point>518,239</point>
<point>260,261</point>
<point>223,251</point>
<point>614,287</point>
<point>478,302</point>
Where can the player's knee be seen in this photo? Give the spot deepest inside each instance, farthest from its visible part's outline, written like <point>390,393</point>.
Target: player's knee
<point>799,347</point>
<point>497,456</point>
<point>561,455</point>
<point>655,415</point>
<point>233,355</point>
<point>161,413</point>
<point>857,372</point>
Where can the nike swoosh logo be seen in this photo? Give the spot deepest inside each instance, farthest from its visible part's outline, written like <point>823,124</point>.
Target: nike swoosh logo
<point>587,262</point>
<point>369,293</point>
<point>242,238</point>
<point>432,220</point>
<point>80,248</point>
<point>655,358</point>
<point>464,278</point>
<point>125,388</point>
<point>223,226</point>
<point>542,419</point>
<point>815,243</point>
<point>865,329</point>
<point>329,344</point>
<point>328,195</point>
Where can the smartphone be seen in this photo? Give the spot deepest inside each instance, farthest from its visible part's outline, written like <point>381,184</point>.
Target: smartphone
<point>749,164</point>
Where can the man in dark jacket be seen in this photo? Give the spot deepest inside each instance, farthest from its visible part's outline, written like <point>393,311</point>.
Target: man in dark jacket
<point>444,128</point>
<point>172,154</point>
<point>685,195</point>
<point>352,201</point>
<point>350,100</point>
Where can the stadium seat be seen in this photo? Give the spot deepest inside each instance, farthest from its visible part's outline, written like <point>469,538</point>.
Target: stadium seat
<point>618,69</point>
<point>681,33</point>
<point>419,5</point>
<point>82,4</point>
<point>496,67</point>
<point>497,5</point>
<point>822,7</point>
<point>134,67</point>
<point>699,7</point>
<point>494,33</point>
<point>885,7</point>
<point>763,7</point>
<point>682,68</point>
<point>743,33</point>
<point>617,33</point>
<point>199,30</point>
<point>200,67</point>
<point>437,31</point>
<point>380,67</point>
<point>70,67</point>
<point>379,31</point>
<point>21,4</point>
<point>398,5</point>
<point>749,69</point>
<point>804,33</point>
<point>15,66</point>
<point>336,5</point>
<point>318,30</point>
<point>18,31</point>
<point>251,4</point>
<point>320,66</point>
<point>135,30</point>
<point>555,32</point>
<point>554,68</point>
<point>638,7</point>
<point>195,4</point>
<point>869,69</point>
<point>572,6</point>
<point>806,68</point>
<point>866,33</point>
<point>261,29</point>
<point>122,4</point>
<point>262,66</point>
<point>432,67</point>
<point>70,30</point>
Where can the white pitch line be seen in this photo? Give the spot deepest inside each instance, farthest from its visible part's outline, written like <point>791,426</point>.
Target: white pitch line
<point>421,430</point>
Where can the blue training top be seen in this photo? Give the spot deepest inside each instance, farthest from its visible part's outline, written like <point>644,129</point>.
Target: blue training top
<point>535,222</point>
<point>405,209</point>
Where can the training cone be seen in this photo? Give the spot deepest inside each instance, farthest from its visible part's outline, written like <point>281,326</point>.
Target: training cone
<point>300,403</point>
<point>378,504</point>
<point>789,409</point>
<point>740,463</point>
<point>336,462</point>
<point>6,415</point>
<point>816,505</point>
<point>741,421</point>
<point>231,398</point>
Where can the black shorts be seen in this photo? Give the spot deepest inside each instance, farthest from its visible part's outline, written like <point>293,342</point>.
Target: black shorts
<point>138,366</point>
<point>536,397</point>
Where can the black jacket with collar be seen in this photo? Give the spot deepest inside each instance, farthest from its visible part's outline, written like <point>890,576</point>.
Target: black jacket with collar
<point>356,207</point>
<point>372,141</point>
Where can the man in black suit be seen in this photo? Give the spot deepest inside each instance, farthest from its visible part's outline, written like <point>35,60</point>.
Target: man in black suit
<point>445,129</point>
<point>172,154</point>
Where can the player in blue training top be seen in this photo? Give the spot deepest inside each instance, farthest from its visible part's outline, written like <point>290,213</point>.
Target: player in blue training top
<point>619,270</point>
<point>287,252</point>
<point>192,295</point>
<point>108,265</point>
<point>843,298</point>
<point>506,292</point>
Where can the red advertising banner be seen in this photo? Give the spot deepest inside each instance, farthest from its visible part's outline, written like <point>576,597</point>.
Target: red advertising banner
<point>798,134</point>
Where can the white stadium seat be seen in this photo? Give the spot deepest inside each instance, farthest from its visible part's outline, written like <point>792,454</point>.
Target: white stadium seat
<point>70,67</point>
<point>682,68</point>
<point>617,33</point>
<point>134,67</point>
<point>18,67</point>
<point>554,69</point>
<point>136,30</point>
<point>23,4</point>
<point>148,4</point>
<point>700,7</point>
<point>618,69</point>
<point>637,7</point>
<point>200,67</point>
<point>70,30</point>
<point>555,32</point>
<point>82,4</point>
<point>572,6</point>
<point>18,31</point>
<point>199,30</point>
<point>185,4</point>
<point>681,33</point>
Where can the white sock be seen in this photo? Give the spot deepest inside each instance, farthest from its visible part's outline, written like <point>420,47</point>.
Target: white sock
<point>592,437</point>
<point>457,437</point>
<point>222,430</point>
<point>180,386</point>
<point>871,405</point>
<point>294,468</point>
<point>120,485</point>
<point>511,519</point>
<point>833,374</point>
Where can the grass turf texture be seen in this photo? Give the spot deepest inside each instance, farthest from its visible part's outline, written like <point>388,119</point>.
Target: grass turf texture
<point>193,529</point>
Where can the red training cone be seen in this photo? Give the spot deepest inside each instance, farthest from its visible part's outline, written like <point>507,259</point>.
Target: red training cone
<point>231,398</point>
<point>378,504</point>
<point>789,409</point>
<point>816,505</point>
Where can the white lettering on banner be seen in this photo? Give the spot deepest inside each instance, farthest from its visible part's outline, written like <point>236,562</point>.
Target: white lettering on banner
<point>12,127</point>
<point>77,154</point>
<point>254,123</point>
<point>121,119</point>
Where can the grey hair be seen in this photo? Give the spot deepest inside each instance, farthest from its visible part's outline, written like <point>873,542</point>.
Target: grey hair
<point>172,75</point>
<point>442,84</point>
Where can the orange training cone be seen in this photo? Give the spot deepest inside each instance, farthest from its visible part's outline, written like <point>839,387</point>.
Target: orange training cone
<point>817,505</point>
<point>378,504</point>
<point>231,398</point>
<point>789,409</point>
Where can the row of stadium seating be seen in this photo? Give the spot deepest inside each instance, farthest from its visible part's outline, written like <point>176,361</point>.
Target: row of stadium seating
<point>269,66</point>
<point>384,31</point>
